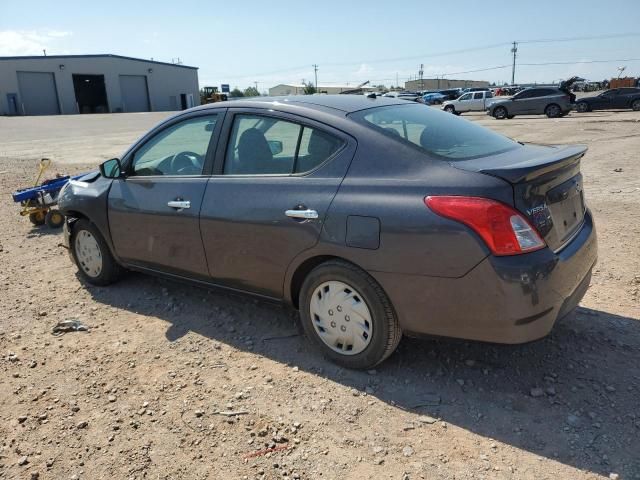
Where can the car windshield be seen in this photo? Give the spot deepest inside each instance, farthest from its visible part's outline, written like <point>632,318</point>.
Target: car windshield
<point>435,132</point>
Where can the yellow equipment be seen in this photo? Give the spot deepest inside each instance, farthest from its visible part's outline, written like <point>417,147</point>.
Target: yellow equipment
<point>211,95</point>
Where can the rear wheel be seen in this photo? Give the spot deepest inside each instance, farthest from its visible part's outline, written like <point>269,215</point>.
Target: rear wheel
<point>635,105</point>
<point>54,219</point>
<point>552,111</point>
<point>91,253</point>
<point>500,113</point>
<point>582,107</point>
<point>347,315</point>
<point>450,109</point>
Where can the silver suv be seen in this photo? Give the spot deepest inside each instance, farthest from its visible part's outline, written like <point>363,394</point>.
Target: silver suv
<point>553,102</point>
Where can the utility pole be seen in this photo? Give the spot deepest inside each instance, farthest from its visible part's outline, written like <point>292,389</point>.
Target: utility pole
<point>256,84</point>
<point>315,72</point>
<point>421,72</point>
<point>514,50</point>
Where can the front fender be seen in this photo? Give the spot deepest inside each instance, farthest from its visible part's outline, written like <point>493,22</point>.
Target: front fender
<point>88,197</point>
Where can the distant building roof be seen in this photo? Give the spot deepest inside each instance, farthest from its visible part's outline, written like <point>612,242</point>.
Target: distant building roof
<point>99,55</point>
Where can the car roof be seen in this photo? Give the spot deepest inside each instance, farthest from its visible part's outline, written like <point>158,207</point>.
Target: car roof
<point>338,103</point>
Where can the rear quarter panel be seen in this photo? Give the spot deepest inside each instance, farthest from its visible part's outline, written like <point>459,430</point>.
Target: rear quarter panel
<point>388,181</point>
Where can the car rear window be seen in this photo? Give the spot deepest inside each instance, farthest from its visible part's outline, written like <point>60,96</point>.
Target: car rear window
<point>435,132</point>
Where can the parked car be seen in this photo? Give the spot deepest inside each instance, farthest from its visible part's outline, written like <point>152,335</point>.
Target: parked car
<point>409,96</point>
<point>374,217</point>
<point>549,101</point>
<point>476,89</point>
<point>477,101</point>
<point>434,98</point>
<point>452,93</point>
<point>616,98</point>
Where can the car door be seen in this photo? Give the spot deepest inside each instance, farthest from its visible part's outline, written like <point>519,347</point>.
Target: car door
<point>605,100</point>
<point>623,99</point>
<point>477,103</point>
<point>520,103</point>
<point>267,202</point>
<point>465,102</point>
<point>154,210</point>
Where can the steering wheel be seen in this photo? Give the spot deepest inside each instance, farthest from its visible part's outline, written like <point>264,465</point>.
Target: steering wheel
<point>186,163</point>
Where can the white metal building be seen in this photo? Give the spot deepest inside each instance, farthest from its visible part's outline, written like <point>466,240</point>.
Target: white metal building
<point>298,89</point>
<point>68,84</point>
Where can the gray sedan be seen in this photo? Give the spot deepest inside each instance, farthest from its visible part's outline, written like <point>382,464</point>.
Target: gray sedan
<point>373,217</point>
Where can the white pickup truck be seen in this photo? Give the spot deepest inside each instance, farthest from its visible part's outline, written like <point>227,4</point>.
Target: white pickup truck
<point>469,102</point>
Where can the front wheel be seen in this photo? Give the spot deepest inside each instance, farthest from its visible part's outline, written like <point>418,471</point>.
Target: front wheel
<point>450,109</point>
<point>635,105</point>
<point>582,107</point>
<point>347,315</point>
<point>92,256</point>
<point>552,111</point>
<point>500,113</point>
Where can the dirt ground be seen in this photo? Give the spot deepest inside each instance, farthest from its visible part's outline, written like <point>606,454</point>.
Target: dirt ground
<point>147,391</point>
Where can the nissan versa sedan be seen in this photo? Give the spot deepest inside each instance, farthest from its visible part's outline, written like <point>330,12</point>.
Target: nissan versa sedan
<point>374,217</point>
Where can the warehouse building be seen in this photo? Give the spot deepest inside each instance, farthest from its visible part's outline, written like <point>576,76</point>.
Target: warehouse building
<point>298,89</point>
<point>69,84</point>
<point>443,84</point>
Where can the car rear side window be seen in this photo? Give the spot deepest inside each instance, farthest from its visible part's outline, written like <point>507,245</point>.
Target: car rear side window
<point>262,145</point>
<point>435,132</point>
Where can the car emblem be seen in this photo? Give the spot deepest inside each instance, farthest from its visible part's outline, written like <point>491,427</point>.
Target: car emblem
<point>578,187</point>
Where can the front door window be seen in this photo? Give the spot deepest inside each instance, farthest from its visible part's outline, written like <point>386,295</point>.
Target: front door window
<point>178,150</point>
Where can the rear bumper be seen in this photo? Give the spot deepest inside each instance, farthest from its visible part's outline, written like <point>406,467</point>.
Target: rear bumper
<point>512,299</point>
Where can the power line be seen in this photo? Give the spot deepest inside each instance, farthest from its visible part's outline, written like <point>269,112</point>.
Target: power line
<point>456,52</point>
<point>576,39</point>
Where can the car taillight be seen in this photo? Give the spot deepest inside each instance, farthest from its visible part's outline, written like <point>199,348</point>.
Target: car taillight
<point>503,229</point>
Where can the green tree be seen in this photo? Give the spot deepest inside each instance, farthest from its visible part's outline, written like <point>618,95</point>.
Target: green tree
<point>309,89</point>
<point>236,92</point>
<point>251,92</point>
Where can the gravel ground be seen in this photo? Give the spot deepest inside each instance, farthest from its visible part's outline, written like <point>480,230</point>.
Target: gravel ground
<point>172,381</point>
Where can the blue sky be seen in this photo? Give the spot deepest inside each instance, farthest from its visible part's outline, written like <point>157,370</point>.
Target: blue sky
<point>277,41</point>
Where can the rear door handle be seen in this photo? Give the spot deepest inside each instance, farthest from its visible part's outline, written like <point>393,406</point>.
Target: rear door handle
<point>179,204</point>
<point>307,214</point>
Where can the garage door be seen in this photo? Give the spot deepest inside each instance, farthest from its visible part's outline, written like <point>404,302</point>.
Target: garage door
<point>135,96</point>
<point>38,95</point>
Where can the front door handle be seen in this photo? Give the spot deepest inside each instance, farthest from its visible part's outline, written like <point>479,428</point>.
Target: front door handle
<point>306,214</point>
<point>179,204</point>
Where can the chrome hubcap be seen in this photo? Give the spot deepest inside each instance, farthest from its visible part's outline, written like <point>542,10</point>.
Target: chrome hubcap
<point>341,318</point>
<point>88,253</point>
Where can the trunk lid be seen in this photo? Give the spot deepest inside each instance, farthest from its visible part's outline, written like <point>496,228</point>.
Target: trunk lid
<point>547,186</point>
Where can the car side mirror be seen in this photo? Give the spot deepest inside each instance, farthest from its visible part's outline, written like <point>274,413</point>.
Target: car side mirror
<point>209,127</point>
<point>111,168</point>
<point>275,146</point>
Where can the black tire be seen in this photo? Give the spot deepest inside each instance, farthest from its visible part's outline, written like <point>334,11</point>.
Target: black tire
<point>37,218</point>
<point>582,107</point>
<point>386,331</point>
<point>510,116</point>
<point>54,219</point>
<point>500,113</point>
<point>635,105</point>
<point>110,271</point>
<point>450,109</point>
<point>553,111</point>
